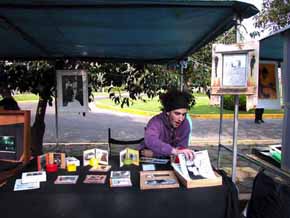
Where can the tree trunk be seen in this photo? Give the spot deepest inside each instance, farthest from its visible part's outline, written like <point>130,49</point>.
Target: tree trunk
<point>38,128</point>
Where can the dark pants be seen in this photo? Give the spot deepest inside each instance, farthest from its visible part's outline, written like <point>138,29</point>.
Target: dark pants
<point>259,114</point>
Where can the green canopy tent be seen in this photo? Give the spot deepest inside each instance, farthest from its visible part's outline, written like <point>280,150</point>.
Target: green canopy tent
<point>276,47</point>
<point>151,31</point>
<point>144,31</point>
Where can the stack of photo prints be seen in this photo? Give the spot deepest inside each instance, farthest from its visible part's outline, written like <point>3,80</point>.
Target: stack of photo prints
<point>66,179</point>
<point>120,179</point>
<point>95,179</point>
<point>30,180</point>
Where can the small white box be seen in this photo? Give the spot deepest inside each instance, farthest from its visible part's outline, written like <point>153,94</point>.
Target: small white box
<point>35,176</point>
<point>72,160</point>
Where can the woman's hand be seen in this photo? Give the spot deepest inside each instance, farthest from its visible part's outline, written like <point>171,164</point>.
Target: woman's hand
<point>189,155</point>
<point>147,153</point>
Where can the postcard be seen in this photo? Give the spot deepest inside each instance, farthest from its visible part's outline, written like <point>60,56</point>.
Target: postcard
<point>66,179</point>
<point>123,154</point>
<point>120,174</point>
<point>95,179</point>
<point>41,162</point>
<point>129,156</point>
<point>148,167</point>
<point>101,155</point>
<point>87,155</point>
<point>19,186</point>
<point>154,160</point>
<point>120,182</point>
<point>100,168</point>
<point>35,176</point>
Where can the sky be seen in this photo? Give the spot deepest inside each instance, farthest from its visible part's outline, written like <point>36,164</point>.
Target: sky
<point>249,23</point>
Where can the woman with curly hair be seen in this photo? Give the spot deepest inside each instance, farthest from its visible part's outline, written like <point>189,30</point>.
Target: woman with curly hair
<point>168,132</point>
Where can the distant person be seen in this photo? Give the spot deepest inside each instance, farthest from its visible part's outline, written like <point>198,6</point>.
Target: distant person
<point>168,132</point>
<point>8,102</point>
<point>208,93</point>
<point>259,115</point>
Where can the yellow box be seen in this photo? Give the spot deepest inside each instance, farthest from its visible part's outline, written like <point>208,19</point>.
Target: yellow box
<point>71,168</point>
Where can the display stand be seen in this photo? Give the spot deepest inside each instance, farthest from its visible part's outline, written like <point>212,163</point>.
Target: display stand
<point>15,124</point>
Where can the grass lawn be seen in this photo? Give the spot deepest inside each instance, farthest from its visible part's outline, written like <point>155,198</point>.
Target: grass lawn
<point>26,97</point>
<point>201,107</point>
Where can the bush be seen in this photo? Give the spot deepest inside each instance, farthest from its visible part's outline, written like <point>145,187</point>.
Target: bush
<point>229,102</point>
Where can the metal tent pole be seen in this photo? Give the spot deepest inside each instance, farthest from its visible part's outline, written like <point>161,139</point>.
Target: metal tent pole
<point>286,91</point>
<point>236,122</point>
<point>220,128</point>
<point>56,118</point>
<point>181,78</point>
<point>235,134</point>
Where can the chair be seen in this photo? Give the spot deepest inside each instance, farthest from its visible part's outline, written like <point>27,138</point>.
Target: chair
<point>270,198</point>
<point>116,145</point>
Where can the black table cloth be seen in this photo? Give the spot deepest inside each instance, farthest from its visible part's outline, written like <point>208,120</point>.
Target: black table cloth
<point>99,200</point>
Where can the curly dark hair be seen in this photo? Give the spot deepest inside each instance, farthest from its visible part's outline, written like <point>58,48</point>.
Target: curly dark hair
<point>175,99</point>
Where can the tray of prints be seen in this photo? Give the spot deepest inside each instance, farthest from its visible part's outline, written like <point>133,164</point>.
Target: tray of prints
<point>158,180</point>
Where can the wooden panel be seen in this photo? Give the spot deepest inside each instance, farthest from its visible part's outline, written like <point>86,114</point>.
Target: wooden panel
<point>10,117</point>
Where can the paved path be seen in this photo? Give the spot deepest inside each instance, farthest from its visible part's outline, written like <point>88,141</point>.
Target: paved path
<point>93,127</point>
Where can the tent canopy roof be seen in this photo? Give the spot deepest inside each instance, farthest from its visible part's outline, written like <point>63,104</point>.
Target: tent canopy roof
<point>154,31</point>
<point>271,47</point>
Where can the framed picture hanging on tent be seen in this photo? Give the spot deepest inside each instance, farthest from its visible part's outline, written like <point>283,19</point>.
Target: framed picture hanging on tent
<point>235,68</point>
<point>268,86</point>
<point>72,91</point>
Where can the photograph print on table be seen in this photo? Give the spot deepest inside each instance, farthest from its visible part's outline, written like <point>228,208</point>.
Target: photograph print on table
<point>72,179</point>
<point>95,179</point>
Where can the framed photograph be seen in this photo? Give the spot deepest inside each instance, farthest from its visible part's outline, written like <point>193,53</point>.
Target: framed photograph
<point>268,86</point>
<point>72,91</point>
<point>56,158</point>
<point>101,155</point>
<point>234,70</point>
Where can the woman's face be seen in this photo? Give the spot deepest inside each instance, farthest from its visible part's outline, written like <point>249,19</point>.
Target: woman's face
<point>176,117</point>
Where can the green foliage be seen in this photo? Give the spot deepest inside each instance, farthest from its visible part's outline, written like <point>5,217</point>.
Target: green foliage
<point>134,79</point>
<point>37,77</point>
<point>198,73</point>
<point>273,16</point>
<point>229,102</point>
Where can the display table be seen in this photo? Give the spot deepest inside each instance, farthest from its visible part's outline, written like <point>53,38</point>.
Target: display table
<point>96,200</point>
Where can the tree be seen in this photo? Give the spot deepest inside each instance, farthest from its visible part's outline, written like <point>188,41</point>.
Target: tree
<point>199,67</point>
<point>135,79</point>
<point>274,15</point>
<point>37,77</point>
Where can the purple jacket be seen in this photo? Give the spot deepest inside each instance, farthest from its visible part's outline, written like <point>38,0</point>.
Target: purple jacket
<point>160,137</point>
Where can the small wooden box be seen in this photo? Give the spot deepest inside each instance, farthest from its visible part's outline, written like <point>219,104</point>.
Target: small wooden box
<point>57,158</point>
<point>197,183</point>
<point>157,176</point>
